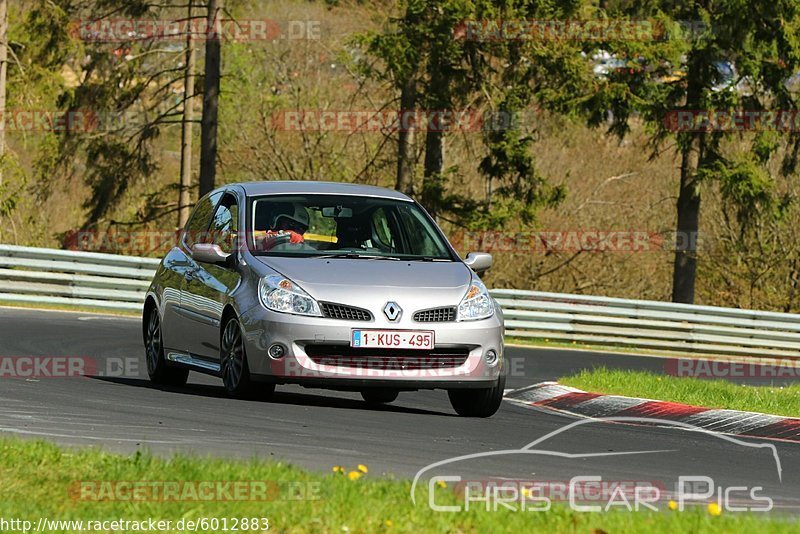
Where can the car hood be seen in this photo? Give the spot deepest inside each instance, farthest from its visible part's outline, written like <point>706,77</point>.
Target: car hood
<point>371,283</point>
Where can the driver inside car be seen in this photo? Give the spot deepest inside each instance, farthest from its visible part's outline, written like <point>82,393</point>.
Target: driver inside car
<point>288,227</point>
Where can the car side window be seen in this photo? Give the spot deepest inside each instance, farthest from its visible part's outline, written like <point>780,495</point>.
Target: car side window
<point>224,224</point>
<point>196,230</point>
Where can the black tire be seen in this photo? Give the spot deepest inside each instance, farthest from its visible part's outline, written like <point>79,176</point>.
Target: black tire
<point>478,402</point>
<point>379,396</point>
<point>234,368</point>
<point>157,368</point>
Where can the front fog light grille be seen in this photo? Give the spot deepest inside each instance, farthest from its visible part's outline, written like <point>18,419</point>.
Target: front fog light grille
<point>340,311</point>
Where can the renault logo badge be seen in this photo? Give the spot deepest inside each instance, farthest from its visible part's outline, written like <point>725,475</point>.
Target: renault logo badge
<point>392,311</point>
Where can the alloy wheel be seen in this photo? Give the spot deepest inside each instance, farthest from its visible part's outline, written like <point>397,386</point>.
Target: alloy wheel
<point>232,355</point>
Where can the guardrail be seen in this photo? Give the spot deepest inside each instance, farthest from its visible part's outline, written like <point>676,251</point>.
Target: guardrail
<point>108,281</point>
<point>644,324</point>
<point>64,277</point>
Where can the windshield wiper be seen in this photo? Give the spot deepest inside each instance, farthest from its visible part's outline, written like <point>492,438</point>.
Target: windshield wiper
<point>357,256</point>
<point>428,258</point>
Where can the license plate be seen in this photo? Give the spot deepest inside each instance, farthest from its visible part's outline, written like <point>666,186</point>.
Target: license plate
<point>392,339</point>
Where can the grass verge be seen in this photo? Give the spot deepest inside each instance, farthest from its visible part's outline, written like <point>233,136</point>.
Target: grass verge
<point>577,345</point>
<point>697,392</point>
<point>43,480</point>
<point>67,307</point>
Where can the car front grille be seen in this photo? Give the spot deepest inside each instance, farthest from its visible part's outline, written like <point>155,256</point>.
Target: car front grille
<point>436,315</point>
<point>386,359</point>
<point>340,311</point>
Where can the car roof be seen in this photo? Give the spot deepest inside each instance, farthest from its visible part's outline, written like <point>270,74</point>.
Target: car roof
<point>287,187</point>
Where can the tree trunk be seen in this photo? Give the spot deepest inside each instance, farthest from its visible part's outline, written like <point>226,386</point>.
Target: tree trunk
<point>684,273</point>
<point>184,200</point>
<point>433,184</point>
<point>406,150</point>
<point>3,69</point>
<point>208,133</point>
<point>438,102</point>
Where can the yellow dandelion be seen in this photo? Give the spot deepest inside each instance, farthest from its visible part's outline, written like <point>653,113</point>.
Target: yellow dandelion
<point>714,509</point>
<point>353,475</point>
<point>338,469</point>
<point>388,523</point>
<point>672,505</point>
<point>526,492</point>
<point>441,483</point>
<point>363,468</point>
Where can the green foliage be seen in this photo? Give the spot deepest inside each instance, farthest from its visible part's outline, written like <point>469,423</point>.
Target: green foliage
<point>115,164</point>
<point>746,185</point>
<point>12,186</point>
<point>761,37</point>
<point>682,72</point>
<point>40,37</point>
<point>123,90</point>
<point>503,77</point>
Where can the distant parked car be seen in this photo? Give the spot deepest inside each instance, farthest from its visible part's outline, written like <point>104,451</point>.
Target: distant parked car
<point>728,78</point>
<point>327,285</point>
<point>604,64</point>
<point>725,76</point>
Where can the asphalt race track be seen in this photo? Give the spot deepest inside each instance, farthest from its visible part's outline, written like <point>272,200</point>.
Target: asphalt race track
<point>119,410</point>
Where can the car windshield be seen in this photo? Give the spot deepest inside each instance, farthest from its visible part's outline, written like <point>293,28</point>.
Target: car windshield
<point>344,226</point>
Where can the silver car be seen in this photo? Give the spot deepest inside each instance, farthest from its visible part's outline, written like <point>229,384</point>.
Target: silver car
<point>329,285</point>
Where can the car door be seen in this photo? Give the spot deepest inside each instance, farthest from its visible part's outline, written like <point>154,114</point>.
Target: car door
<point>206,290</point>
<point>171,278</point>
<point>184,323</point>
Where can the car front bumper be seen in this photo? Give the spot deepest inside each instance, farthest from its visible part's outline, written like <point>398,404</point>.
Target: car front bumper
<point>318,353</point>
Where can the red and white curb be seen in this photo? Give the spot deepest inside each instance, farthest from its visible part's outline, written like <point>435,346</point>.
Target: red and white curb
<point>555,397</point>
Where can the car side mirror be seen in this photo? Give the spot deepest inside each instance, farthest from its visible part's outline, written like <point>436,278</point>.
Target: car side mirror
<point>210,253</point>
<point>480,262</point>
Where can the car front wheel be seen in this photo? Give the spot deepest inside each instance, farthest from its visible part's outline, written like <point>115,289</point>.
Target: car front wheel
<point>233,365</point>
<point>478,402</point>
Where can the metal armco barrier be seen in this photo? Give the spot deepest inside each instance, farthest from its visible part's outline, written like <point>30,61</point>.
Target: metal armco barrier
<point>48,276</point>
<point>108,281</point>
<point>643,324</point>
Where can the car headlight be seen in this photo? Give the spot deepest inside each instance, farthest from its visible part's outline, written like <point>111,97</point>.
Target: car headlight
<point>476,304</point>
<point>282,295</point>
